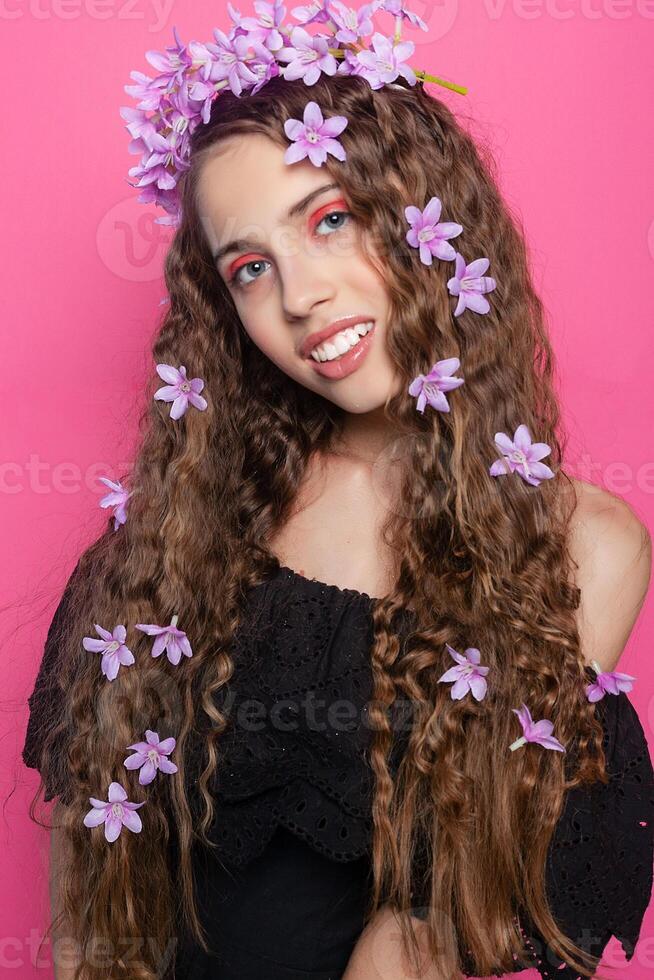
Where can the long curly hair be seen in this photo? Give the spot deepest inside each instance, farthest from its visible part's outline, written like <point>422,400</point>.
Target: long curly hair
<point>482,562</point>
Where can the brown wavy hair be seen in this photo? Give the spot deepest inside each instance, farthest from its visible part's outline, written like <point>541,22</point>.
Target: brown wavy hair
<point>482,562</point>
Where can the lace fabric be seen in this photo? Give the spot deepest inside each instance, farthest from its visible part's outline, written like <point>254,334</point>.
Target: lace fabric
<point>295,756</point>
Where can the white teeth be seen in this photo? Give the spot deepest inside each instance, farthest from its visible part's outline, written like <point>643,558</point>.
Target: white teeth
<point>341,342</point>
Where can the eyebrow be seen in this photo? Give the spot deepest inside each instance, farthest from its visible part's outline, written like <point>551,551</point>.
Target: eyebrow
<point>241,244</point>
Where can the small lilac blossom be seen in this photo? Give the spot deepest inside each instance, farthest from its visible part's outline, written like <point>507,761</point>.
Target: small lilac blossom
<point>467,675</point>
<point>117,499</point>
<point>179,390</point>
<point>430,235</point>
<point>429,388</point>
<point>314,137</point>
<point>397,9</point>
<point>539,731</point>
<point>150,92</point>
<point>151,755</point>
<point>468,283</point>
<point>607,682</point>
<point>265,27</point>
<point>113,649</point>
<point>115,813</point>
<point>172,63</point>
<point>350,65</point>
<point>263,66</point>
<point>521,456</point>
<point>307,57</point>
<point>169,638</point>
<point>312,13</point>
<point>351,24</point>
<point>230,61</point>
<point>386,61</point>
<point>166,152</point>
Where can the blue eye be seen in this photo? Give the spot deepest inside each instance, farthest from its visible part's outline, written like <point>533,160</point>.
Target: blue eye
<point>337,214</point>
<point>239,283</point>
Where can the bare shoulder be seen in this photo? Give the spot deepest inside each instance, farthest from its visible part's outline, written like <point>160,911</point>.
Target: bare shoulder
<point>612,549</point>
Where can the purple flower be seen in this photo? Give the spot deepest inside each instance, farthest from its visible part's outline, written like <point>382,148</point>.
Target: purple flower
<point>314,136</point>
<point>151,755</point>
<point>313,13</point>
<point>172,63</point>
<point>430,236</point>
<point>521,456</point>
<point>113,649</point>
<point>386,61</point>
<point>166,152</point>
<point>150,92</point>
<point>265,29</point>
<point>397,9</point>
<point>607,682</point>
<point>117,499</point>
<point>115,813</point>
<point>350,65</point>
<point>169,638</point>
<point>468,283</point>
<point>230,55</point>
<point>179,390</point>
<point>307,56</point>
<point>467,675</point>
<point>351,24</point>
<point>429,388</point>
<point>540,731</point>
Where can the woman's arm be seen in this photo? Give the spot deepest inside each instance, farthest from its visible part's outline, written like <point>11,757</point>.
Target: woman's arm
<point>65,950</point>
<point>378,955</point>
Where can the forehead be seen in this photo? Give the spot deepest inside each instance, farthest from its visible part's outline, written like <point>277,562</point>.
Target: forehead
<point>245,184</point>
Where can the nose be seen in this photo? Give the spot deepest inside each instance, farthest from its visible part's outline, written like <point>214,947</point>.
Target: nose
<point>306,283</point>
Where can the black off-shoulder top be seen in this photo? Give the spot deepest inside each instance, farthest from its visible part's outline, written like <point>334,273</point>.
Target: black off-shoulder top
<point>283,897</point>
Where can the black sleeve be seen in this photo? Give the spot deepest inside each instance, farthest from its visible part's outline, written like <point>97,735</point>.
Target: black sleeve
<point>47,707</point>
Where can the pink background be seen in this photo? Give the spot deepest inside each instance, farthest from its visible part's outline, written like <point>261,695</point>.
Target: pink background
<point>562,90</point>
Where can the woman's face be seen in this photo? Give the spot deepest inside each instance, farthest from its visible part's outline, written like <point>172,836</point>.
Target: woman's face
<point>294,266</point>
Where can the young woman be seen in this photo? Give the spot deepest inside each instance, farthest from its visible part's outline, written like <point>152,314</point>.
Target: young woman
<point>345,767</point>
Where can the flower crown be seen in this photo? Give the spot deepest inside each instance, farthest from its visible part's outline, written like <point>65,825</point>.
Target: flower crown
<point>171,105</point>
<point>179,98</point>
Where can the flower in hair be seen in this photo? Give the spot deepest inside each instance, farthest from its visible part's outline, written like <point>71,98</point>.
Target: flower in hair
<point>150,756</point>
<point>179,390</point>
<point>521,455</point>
<point>429,388</point>
<point>607,682</point>
<point>178,99</point>
<point>386,61</point>
<point>307,56</point>
<point>430,235</point>
<point>265,27</point>
<point>116,499</point>
<point>467,675</point>
<point>352,24</point>
<point>174,641</point>
<point>397,8</point>
<point>115,813</point>
<point>314,137</point>
<point>539,731</point>
<point>112,647</point>
<point>468,283</point>
<point>316,12</point>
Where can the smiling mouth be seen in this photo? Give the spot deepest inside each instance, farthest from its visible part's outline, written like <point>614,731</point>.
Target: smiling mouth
<point>340,343</point>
